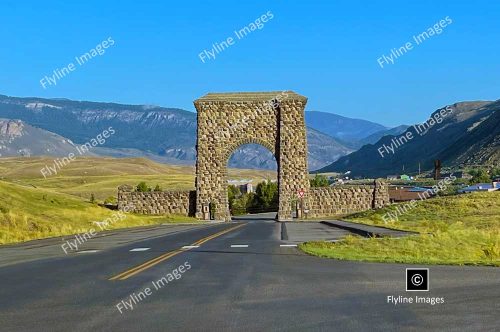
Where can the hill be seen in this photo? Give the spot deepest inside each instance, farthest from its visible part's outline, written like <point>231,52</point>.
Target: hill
<point>33,207</point>
<point>20,139</point>
<point>28,213</point>
<point>102,176</point>
<point>467,135</point>
<point>374,138</point>
<point>340,127</point>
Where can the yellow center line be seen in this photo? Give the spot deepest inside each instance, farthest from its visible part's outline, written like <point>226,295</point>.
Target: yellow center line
<point>144,266</point>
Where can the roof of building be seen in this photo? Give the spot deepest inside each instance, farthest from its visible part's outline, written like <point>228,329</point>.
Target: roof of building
<point>252,96</point>
<point>481,186</point>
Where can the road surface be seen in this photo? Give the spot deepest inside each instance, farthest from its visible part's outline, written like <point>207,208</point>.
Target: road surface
<point>241,277</point>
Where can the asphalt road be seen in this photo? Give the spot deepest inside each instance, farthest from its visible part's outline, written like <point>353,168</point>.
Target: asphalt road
<point>241,277</point>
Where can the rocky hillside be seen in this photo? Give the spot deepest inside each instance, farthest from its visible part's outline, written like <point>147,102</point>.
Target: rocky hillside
<point>162,134</point>
<point>467,135</point>
<point>20,139</point>
<point>481,144</point>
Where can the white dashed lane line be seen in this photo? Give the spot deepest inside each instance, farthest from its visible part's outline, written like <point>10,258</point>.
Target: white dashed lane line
<point>288,245</point>
<point>239,245</point>
<point>190,247</point>
<point>86,251</point>
<point>140,249</point>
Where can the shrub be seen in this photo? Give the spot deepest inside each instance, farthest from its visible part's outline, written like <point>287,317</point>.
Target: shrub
<point>110,200</point>
<point>157,188</point>
<point>479,176</point>
<point>241,204</point>
<point>319,181</point>
<point>142,187</point>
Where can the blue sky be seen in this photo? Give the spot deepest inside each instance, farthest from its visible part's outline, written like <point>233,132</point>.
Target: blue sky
<point>325,50</point>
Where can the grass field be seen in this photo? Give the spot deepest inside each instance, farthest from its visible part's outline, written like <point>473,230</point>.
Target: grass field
<point>102,176</point>
<point>28,213</point>
<point>459,230</point>
<point>32,207</point>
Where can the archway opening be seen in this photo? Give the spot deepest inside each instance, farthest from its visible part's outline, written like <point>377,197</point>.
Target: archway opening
<point>251,181</point>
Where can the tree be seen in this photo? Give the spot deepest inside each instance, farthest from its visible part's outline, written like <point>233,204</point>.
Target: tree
<point>232,193</point>
<point>266,196</point>
<point>479,176</point>
<point>142,187</point>
<point>92,198</point>
<point>157,188</point>
<point>319,181</point>
<point>241,204</point>
<point>495,172</point>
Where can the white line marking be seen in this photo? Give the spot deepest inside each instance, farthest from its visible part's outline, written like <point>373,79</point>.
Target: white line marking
<point>288,245</point>
<point>86,251</point>
<point>190,247</point>
<point>140,249</point>
<point>239,245</point>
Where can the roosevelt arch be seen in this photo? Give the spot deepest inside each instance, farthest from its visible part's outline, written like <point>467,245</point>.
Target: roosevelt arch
<point>226,121</point>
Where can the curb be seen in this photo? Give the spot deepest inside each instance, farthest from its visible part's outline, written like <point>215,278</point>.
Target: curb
<point>363,232</point>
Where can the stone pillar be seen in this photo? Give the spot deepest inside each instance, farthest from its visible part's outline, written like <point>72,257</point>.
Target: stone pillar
<point>380,194</point>
<point>124,196</point>
<point>293,174</point>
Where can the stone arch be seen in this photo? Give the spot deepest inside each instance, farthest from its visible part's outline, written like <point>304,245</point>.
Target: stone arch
<point>232,149</point>
<point>226,121</point>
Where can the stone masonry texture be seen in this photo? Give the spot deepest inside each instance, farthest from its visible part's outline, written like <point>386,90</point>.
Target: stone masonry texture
<point>156,202</point>
<point>228,120</point>
<point>274,120</point>
<point>348,199</point>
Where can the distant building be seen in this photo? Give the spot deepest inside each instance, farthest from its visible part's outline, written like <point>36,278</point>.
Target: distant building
<point>392,177</point>
<point>481,187</point>
<point>338,182</point>
<point>405,193</point>
<point>246,188</point>
<point>458,175</point>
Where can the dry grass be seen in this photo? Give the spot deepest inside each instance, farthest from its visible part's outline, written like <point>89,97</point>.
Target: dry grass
<point>102,176</point>
<point>460,230</point>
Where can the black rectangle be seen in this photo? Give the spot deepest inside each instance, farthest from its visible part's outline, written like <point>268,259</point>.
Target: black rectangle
<point>417,279</point>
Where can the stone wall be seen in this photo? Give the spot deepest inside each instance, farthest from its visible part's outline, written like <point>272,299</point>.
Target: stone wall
<point>322,201</point>
<point>346,199</point>
<point>156,202</point>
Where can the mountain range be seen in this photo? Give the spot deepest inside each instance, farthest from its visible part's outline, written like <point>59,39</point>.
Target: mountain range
<point>162,134</point>
<point>469,135</point>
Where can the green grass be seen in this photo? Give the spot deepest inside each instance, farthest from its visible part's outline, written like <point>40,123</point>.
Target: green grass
<point>458,230</point>
<point>27,213</point>
<point>32,207</point>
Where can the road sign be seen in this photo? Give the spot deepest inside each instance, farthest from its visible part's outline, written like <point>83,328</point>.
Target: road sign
<point>301,193</point>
